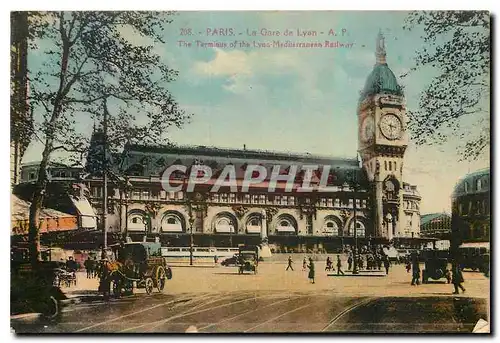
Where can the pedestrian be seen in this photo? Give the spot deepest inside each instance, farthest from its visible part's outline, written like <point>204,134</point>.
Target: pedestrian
<point>339,266</point>
<point>415,272</point>
<point>349,262</point>
<point>304,264</point>
<point>447,275</point>
<point>386,265</point>
<point>408,266</point>
<point>96,267</point>
<point>360,263</point>
<point>458,278</point>
<point>311,270</point>
<point>216,260</point>
<point>88,267</point>
<point>290,261</point>
<point>328,264</point>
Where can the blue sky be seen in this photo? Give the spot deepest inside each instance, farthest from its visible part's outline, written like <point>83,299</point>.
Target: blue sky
<point>299,100</point>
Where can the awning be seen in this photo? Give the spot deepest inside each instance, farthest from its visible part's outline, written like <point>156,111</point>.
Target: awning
<point>221,228</point>
<point>50,219</point>
<point>172,228</point>
<point>85,212</point>
<point>253,228</point>
<point>285,229</point>
<point>476,245</point>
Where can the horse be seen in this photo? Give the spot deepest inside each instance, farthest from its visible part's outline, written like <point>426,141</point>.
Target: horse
<point>111,272</point>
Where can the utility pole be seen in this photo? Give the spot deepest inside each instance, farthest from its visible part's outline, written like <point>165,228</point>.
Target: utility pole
<point>191,241</point>
<point>105,174</point>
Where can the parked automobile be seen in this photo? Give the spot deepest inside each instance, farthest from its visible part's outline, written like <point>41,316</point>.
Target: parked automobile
<point>436,265</point>
<point>248,259</point>
<point>35,290</point>
<point>230,261</point>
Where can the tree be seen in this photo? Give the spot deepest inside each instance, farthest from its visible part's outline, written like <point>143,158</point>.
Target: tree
<point>456,101</point>
<point>92,61</point>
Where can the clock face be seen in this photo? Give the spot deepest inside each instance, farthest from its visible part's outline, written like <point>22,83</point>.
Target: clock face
<point>391,126</point>
<point>368,129</point>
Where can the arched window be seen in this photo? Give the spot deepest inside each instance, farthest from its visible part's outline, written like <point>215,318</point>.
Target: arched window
<point>172,221</point>
<point>330,225</point>
<point>225,223</point>
<point>286,224</point>
<point>254,224</point>
<point>135,220</point>
<point>466,186</point>
<point>385,165</point>
<point>478,184</point>
<point>360,228</point>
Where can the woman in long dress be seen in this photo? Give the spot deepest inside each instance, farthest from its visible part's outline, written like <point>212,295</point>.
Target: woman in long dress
<point>311,270</point>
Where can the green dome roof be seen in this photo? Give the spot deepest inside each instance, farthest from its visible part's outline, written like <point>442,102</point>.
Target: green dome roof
<point>473,183</point>
<point>381,80</point>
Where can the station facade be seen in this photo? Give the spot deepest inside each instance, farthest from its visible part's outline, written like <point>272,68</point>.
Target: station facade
<point>367,197</point>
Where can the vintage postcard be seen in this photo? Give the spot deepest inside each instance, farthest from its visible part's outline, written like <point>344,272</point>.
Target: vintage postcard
<point>250,172</point>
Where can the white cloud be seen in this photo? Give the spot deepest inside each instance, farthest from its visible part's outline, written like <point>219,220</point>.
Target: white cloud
<point>241,68</point>
<point>226,63</point>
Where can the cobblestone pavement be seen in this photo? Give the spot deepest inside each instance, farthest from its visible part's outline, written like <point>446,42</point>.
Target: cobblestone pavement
<point>274,300</point>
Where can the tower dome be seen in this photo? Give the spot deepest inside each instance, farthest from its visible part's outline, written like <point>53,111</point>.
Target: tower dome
<point>381,79</point>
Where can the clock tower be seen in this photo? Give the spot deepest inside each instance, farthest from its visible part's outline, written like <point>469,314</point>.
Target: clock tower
<point>382,141</point>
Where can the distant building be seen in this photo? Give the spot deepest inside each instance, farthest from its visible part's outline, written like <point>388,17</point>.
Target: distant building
<point>471,220</point>
<point>435,225</point>
<point>55,172</point>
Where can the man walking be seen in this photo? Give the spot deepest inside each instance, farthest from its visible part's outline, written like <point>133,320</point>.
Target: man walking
<point>458,278</point>
<point>304,264</point>
<point>386,265</point>
<point>349,262</point>
<point>290,261</point>
<point>339,266</point>
<point>416,271</point>
<point>88,267</point>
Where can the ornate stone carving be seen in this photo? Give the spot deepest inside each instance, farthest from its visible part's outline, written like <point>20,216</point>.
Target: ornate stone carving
<point>344,214</point>
<point>240,211</point>
<point>152,208</point>
<point>270,213</point>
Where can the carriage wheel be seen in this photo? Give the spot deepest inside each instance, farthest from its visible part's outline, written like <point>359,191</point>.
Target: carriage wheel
<point>148,285</point>
<point>160,278</point>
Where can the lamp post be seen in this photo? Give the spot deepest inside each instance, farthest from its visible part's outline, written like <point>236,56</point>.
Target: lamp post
<point>191,238</point>
<point>355,266</point>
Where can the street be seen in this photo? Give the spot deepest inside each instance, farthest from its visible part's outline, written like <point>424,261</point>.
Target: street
<point>218,300</point>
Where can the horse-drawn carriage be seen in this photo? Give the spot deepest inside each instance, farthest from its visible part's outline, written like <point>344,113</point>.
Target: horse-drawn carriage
<point>139,263</point>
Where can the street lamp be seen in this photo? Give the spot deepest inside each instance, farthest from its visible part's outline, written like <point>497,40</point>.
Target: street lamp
<point>191,222</point>
<point>353,183</point>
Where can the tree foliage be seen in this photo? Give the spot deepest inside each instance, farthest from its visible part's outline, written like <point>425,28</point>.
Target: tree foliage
<point>92,62</point>
<point>456,102</point>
